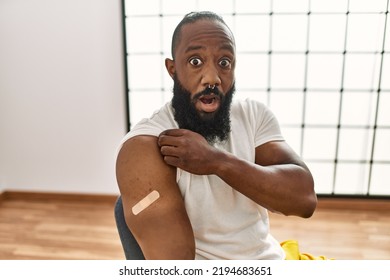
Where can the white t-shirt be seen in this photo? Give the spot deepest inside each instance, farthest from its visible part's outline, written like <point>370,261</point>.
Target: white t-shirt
<point>226,224</point>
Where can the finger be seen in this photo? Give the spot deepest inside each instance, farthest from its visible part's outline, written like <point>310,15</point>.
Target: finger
<point>174,132</point>
<point>169,151</point>
<point>164,140</point>
<point>173,161</point>
<point>170,137</point>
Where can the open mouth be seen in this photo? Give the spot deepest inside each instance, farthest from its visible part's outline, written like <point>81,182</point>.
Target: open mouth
<point>207,99</point>
<point>208,103</point>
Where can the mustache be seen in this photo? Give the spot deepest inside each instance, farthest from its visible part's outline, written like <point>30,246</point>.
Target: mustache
<point>208,91</point>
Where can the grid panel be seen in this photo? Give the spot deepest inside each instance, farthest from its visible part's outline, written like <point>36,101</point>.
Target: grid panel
<point>323,68</point>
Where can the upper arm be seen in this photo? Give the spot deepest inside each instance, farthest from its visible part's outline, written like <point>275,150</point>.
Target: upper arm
<point>277,152</point>
<point>162,229</point>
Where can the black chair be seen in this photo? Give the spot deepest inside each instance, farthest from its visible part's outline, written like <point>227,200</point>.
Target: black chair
<point>129,244</point>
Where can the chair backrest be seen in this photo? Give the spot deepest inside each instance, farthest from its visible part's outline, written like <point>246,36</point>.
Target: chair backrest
<point>129,244</point>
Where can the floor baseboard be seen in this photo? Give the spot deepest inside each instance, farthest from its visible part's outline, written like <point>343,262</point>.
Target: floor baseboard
<point>363,204</point>
<point>13,195</point>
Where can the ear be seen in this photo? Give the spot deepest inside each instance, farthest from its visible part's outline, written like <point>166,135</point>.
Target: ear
<point>170,65</point>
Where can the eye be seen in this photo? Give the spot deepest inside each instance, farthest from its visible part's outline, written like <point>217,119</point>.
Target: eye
<point>195,61</point>
<point>225,63</point>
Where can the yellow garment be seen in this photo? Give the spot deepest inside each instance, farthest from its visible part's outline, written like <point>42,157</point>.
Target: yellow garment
<point>291,249</point>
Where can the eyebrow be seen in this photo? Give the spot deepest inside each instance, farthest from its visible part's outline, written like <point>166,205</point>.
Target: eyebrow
<point>228,47</point>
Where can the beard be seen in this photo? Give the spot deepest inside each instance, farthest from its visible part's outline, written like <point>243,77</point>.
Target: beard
<point>213,126</point>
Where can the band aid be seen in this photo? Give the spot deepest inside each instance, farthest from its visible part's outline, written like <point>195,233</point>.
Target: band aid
<point>145,202</point>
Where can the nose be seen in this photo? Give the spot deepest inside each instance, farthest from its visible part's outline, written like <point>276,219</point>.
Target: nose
<point>210,76</point>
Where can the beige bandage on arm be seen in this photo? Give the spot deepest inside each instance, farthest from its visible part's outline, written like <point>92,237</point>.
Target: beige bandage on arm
<point>145,202</point>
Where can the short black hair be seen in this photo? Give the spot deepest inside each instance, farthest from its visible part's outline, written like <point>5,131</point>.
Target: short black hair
<point>191,18</point>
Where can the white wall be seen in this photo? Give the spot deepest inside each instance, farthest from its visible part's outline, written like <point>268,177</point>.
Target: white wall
<point>62,107</point>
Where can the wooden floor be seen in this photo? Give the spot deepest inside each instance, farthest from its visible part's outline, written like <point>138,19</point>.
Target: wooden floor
<point>44,226</point>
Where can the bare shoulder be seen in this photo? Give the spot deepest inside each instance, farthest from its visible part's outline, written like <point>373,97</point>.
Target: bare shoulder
<point>139,160</point>
<point>140,168</point>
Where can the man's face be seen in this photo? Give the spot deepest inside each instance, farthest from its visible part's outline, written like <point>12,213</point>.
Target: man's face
<point>204,58</point>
